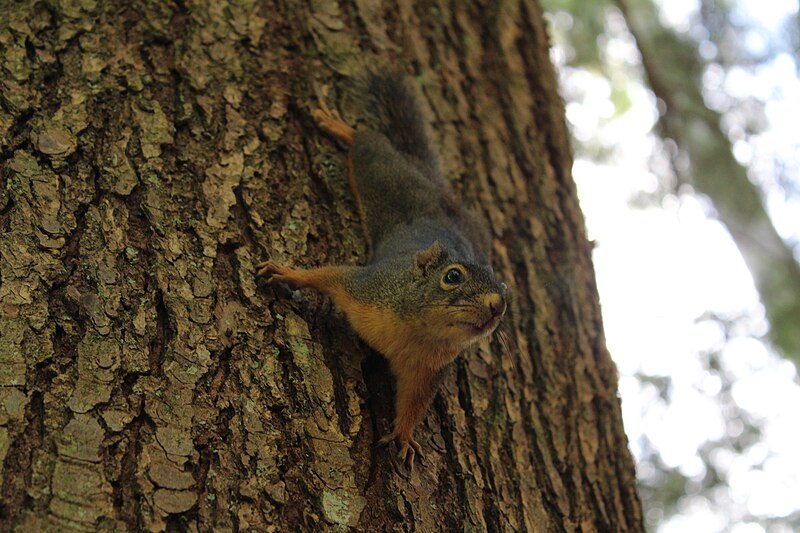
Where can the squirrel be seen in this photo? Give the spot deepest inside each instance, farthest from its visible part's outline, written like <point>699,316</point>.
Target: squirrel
<point>428,290</point>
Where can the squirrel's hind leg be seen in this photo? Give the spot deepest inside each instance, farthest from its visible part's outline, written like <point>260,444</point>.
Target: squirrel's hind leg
<point>331,121</point>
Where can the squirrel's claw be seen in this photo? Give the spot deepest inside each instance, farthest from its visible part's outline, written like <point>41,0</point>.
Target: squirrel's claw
<point>324,112</point>
<point>409,449</point>
<point>386,439</point>
<point>267,269</point>
<point>274,272</point>
<point>331,121</point>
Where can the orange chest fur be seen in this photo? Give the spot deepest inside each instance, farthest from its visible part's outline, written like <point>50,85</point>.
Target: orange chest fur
<point>403,341</point>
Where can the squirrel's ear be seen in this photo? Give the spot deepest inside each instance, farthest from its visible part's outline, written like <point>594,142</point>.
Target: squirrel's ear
<point>425,259</point>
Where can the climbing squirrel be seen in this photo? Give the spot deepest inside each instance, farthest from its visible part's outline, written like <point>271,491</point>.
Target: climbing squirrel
<point>428,290</point>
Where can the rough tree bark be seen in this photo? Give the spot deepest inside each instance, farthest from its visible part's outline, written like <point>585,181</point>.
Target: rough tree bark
<point>152,152</point>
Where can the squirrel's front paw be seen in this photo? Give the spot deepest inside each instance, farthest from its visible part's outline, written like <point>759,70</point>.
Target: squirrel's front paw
<point>276,273</point>
<point>409,449</point>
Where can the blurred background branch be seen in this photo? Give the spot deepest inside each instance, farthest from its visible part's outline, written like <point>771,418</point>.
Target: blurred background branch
<point>674,72</point>
<point>684,118</point>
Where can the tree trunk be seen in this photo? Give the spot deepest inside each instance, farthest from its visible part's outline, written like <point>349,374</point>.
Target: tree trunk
<point>153,152</point>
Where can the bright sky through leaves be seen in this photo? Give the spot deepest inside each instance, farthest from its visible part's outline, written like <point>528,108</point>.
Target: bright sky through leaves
<point>664,271</point>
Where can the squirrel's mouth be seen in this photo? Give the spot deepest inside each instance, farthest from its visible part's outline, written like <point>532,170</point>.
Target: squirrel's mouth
<point>480,328</point>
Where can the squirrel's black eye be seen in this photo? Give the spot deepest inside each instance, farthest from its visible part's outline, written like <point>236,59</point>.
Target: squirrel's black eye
<point>453,276</point>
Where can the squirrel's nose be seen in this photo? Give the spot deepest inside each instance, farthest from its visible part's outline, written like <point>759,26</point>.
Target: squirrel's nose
<point>496,304</point>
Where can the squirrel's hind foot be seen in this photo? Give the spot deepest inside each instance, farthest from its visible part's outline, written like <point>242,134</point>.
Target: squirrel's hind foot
<point>331,121</point>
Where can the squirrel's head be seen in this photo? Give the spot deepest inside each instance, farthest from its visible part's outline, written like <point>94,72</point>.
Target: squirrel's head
<point>461,302</point>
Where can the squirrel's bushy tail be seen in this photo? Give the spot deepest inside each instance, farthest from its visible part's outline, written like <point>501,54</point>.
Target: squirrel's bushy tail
<point>393,110</point>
